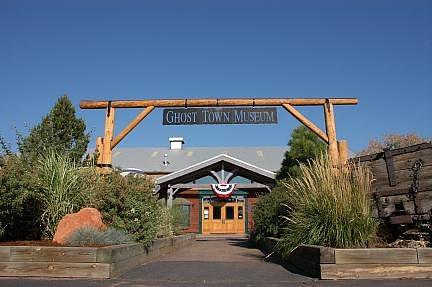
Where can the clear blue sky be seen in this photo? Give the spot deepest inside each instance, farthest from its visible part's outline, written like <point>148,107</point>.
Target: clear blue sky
<point>377,51</point>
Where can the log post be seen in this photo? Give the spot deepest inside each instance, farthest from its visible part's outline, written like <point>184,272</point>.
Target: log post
<point>343,152</point>
<point>106,160</point>
<point>170,197</point>
<point>99,148</point>
<point>331,133</point>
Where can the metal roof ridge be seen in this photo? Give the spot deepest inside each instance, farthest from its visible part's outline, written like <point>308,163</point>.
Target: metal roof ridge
<point>206,147</point>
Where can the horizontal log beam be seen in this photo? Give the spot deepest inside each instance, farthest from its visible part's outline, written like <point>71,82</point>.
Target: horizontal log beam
<point>88,104</point>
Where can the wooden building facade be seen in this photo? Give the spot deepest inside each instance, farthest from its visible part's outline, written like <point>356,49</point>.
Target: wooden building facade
<point>217,195</point>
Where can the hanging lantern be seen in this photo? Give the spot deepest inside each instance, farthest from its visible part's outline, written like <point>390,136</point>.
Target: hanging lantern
<point>223,190</point>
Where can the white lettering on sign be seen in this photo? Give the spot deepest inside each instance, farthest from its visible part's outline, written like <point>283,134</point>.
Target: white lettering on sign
<point>202,116</point>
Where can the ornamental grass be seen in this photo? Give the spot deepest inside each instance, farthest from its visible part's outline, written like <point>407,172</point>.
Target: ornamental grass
<point>328,206</point>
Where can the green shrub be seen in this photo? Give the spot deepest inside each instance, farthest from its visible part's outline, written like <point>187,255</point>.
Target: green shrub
<point>87,236</point>
<point>62,190</point>
<point>267,213</point>
<point>129,204</point>
<point>329,207</point>
<point>19,205</point>
<point>166,222</point>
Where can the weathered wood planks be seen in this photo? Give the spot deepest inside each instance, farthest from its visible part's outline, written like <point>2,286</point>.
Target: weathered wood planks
<point>90,262</point>
<point>55,269</point>
<point>402,186</point>
<point>379,263</point>
<point>52,254</point>
<point>425,255</point>
<point>376,255</point>
<point>376,271</point>
<point>360,263</point>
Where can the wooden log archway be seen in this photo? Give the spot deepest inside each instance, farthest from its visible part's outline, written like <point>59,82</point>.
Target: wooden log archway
<point>337,150</point>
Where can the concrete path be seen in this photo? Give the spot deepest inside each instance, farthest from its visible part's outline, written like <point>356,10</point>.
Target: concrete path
<point>213,261</point>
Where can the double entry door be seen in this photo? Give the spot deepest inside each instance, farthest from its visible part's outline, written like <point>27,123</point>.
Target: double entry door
<point>223,217</point>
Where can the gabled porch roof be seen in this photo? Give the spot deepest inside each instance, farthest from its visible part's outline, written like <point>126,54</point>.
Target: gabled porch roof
<point>259,177</point>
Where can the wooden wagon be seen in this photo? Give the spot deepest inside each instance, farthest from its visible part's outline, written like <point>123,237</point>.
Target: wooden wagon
<point>402,185</point>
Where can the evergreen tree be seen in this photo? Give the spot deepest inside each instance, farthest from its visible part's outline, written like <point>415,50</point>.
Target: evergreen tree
<point>303,145</point>
<point>60,130</point>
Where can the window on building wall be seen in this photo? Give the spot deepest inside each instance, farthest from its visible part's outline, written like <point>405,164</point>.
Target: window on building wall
<point>206,213</point>
<point>182,212</point>
<point>240,212</point>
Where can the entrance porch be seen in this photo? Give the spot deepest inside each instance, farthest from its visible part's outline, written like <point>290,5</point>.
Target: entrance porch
<point>217,195</point>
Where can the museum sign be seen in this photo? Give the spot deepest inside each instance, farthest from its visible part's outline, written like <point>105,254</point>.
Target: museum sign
<point>214,116</point>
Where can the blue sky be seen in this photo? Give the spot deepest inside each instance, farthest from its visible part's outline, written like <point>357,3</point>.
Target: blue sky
<point>377,51</point>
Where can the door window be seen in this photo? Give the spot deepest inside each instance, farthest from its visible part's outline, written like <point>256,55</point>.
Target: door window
<point>217,214</point>
<point>229,212</point>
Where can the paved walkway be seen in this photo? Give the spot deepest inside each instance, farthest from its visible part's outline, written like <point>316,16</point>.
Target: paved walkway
<point>210,262</point>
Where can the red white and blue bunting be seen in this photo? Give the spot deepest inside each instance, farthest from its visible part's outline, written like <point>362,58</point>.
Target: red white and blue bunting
<point>223,190</point>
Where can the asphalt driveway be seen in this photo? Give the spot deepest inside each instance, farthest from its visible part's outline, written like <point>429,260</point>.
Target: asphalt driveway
<point>209,262</point>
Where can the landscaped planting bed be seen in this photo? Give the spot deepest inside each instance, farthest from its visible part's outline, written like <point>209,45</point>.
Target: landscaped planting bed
<point>361,263</point>
<point>90,262</point>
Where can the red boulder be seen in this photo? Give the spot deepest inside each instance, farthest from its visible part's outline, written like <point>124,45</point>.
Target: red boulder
<point>90,217</point>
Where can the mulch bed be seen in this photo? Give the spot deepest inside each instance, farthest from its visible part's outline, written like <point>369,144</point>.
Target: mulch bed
<point>47,243</point>
<point>30,243</point>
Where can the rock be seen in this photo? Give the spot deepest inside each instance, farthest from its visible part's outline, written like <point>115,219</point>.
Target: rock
<point>71,222</point>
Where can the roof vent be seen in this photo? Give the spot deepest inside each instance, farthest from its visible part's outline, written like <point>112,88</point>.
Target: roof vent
<point>176,143</point>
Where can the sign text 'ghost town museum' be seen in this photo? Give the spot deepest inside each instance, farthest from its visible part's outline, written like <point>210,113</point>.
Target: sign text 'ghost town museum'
<point>214,116</point>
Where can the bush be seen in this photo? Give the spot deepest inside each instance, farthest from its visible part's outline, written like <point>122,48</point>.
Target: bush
<point>267,213</point>
<point>166,222</point>
<point>88,236</point>
<point>128,203</point>
<point>19,205</point>
<point>329,207</point>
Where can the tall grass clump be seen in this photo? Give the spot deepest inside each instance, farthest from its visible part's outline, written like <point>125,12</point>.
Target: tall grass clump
<point>62,190</point>
<point>328,206</point>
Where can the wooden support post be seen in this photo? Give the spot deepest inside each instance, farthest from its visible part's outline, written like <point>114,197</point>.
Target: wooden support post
<point>170,197</point>
<point>343,152</point>
<point>331,133</point>
<point>99,148</point>
<point>109,131</point>
<point>299,116</point>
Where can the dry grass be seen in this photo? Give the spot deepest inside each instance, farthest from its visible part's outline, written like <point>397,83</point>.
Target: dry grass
<point>329,207</point>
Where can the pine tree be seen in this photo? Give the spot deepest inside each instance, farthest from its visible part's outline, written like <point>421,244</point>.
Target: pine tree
<point>303,145</point>
<point>60,130</point>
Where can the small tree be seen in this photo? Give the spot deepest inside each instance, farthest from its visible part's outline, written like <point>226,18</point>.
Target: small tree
<point>303,146</point>
<point>60,131</point>
<point>392,141</point>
